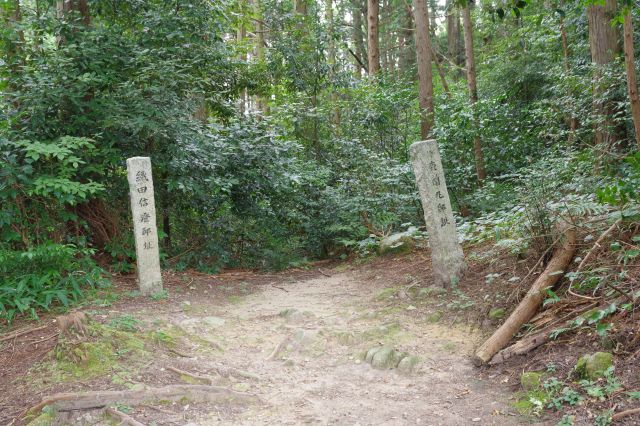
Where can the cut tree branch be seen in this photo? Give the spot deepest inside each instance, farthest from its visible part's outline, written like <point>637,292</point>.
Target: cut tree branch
<point>529,305</point>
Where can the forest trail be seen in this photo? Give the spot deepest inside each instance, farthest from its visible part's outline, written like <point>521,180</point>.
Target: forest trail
<point>317,377</point>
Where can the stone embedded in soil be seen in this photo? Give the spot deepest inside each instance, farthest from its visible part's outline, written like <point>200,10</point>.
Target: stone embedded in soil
<point>434,317</point>
<point>385,358</point>
<point>402,242</point>
<point>593,366</point>
<point>370,353</point>
<point>214,321</point>
<point>294,316</point>
<point>408,364</point>
<point>531,380</point>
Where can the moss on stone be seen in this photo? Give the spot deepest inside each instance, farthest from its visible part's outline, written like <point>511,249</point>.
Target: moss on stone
<point>531,380</point>
<point>593,366</point>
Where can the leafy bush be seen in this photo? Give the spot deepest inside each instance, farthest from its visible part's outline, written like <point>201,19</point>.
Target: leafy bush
<point>46,275</point>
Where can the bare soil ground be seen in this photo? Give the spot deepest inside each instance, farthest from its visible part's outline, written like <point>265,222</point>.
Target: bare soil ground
<point>294,340</point>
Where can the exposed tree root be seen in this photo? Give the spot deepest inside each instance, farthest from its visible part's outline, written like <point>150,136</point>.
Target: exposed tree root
<point>279,348</point>
<point>625,413</point>
<point>124,418</point>
<point>99,399</point>
<point>230,371</point>
<point>200,379</point>
<point>529,305</point>
<point>22,332</point>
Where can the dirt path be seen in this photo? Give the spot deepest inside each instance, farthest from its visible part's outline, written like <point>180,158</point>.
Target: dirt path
<point>323,326</point>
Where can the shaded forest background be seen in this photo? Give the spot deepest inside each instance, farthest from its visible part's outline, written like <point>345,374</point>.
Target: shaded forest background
<point>278,130</point>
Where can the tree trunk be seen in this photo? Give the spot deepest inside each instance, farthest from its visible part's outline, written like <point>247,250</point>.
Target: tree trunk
<point>240,36</point>
<point>603,43</point>
<point>374,47</point>
<point>358,11</point>
<point>454,41</point>
<point>423,58</point>
<point>331,61</point>
<point>433,7</point>
<point>629,60</point>
<point>473,89</point>
<point>263,103</point>
<point>407,54</point>
<point>300,7</point>
<point>573,120</point>
<point>443,79</point>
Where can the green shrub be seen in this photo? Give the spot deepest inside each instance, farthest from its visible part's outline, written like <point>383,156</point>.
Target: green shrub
<point>43,276</point>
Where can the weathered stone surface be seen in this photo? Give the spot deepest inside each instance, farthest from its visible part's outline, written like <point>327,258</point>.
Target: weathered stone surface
<point>447,257</point>
<point>593,366</point>
<point>408,364</point>
<point>434,317</point>
<point>370,353</point>
<point>401,242</point>
<point>385,358</point>
<point>143,209</point>
<point>294,316</point>
<point>531,380</point>
<point>214,321</point>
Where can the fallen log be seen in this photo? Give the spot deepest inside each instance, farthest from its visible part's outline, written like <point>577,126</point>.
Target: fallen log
<point>531,302</point>
<point>100,399</point>
<point>531,342</point>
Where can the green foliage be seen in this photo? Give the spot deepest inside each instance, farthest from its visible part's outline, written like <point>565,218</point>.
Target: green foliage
<point>43,277</point>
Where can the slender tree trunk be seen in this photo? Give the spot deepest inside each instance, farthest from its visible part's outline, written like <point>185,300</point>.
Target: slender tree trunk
<point>358,11</point>
<point>263,102</point>
<point>629,60</point>
<point>443,79</point>
<point>433,7</point>
<point>573,120</point>
<point>407,53</point>
<point>603,42</point>
<point>300,7</point>
<point>374,47</point>
<point>331,60</point>
<point>425,73</point>
<point>454,40</point>
<point>473,89</point>
<point>240,36</point>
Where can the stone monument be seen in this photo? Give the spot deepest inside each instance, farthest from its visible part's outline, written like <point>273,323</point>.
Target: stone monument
<point>447,257</point>
<point>143,209</point>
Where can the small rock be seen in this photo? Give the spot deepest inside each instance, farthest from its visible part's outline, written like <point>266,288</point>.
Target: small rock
<point>370,353</point>
<point>214,321</point>
<point>434,317</point>
<point>408,364</point>
<point>531,380</point>
<point>241,387</point>
<point>593,366</point>
<point>476,419</point>
<point>401,242</point>
<point>410,308</point>
<point>385,358</point>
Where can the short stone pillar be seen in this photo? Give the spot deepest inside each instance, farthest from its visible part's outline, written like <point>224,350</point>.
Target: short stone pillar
<point>143,209</point>
<point>447,257</point>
